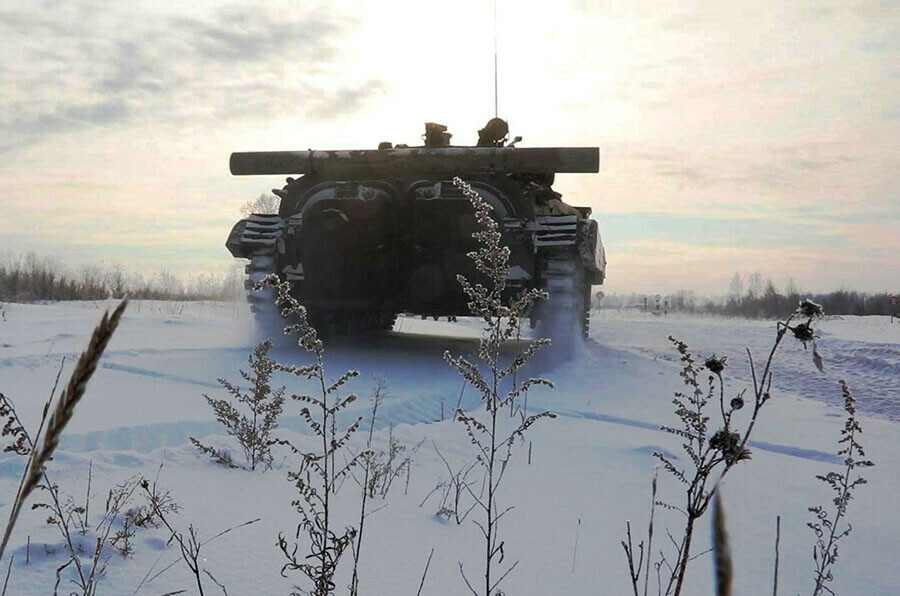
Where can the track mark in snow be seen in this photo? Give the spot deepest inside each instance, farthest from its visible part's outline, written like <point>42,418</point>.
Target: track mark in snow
<point>870,365</point>
<point>144,439</point>
<point>242,350</point>
<point>149,437</point>
<point>155,543</point>
<point>156,375</point>
<point>649,450</point>
<point>611,419</point>
<point>811,454</point>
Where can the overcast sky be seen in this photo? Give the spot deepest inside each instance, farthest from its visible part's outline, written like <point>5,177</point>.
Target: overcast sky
<point>734,136</point>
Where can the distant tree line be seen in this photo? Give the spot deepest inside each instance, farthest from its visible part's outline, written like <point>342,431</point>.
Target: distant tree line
<point>30,277</point>
<point>757,299</point>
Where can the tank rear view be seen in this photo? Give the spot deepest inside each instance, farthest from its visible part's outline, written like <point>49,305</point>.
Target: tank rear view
<point>362,236</point>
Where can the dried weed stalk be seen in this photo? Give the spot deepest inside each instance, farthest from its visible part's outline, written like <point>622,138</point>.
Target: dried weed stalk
<point>490,433</point>
<point>455,503</point>
<point>317,477</point>
<point>826,528</point>
<point>388,465</point>
<point>254,431</point>
<point>72,520</point>
<point>116,501</point>
<point>159,502</point>
<point>82,538</point>
<point>379,469</point>
<point>159,506</point>
<point>365,485</point>
<point>722,564</point>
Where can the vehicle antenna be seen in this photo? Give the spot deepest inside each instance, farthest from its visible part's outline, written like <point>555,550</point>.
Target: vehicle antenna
<point>495,59</point>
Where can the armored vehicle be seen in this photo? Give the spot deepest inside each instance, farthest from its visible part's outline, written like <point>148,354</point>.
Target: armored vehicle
<point>363,235</point>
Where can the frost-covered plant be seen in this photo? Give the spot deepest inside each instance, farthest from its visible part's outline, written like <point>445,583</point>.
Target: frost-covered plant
<point>386,465</point>
<point>454,492</point>
<point>489,432</point>
<point>317,477</point>
<point>826,528</point>
<point>712,452</point>
<point>158,502</point>
<point>253,431</point>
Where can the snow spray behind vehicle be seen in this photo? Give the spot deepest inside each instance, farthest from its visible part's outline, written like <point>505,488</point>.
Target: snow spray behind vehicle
<point>363,235</point>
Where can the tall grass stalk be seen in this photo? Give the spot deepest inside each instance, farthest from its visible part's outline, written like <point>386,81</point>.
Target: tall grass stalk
<point>42,450</point>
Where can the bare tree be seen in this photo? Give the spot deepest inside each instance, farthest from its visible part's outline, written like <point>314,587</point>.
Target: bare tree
<point>790,289</point>
<point>736,289</point>
<point>755,285</point>
<point>264,203</point>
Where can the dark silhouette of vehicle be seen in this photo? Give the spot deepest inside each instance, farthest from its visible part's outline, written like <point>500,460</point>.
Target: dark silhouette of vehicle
<point>363,235</point>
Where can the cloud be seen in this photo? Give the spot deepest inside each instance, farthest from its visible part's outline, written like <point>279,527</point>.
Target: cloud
<point>819,180</point>
<point>79,67</point>
<point>65,118</point>
<point>626,230</point>
<point>131,68</point>
<point>652,266</point>
<point>244,34</point>
<point>346,100</point>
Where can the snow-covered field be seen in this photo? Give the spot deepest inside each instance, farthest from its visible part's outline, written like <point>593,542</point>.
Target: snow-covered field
<point>590,467</point>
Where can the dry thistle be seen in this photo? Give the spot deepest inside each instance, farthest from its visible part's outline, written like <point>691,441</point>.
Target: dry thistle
<point>803,332</point>
<point>716,365</point>
<point>810,309</point>
<point>62,413</point>
<point>713,454</point>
